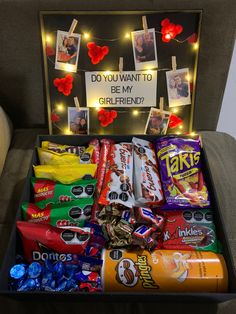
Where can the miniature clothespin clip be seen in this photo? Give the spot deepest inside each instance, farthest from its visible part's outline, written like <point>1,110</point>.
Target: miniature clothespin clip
<point>174,64</point>
<point>121,64</point>
<point>76,101</point>
<point>72,27</point>
<point>161,105</point>
<point>145,26</point>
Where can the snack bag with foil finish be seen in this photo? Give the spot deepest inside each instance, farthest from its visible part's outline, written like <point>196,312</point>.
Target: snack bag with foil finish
<point>147,185</point>
<point>61,215</point>
<point>66,174</point>
<point>163,271</point>
<point>51,192</point>
<point>59,148</point>
<point>49,157</point>
<point>181,173</point>
<point>189,230</point>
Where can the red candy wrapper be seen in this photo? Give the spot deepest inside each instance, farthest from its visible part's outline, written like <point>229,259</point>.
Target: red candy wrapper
<point>40,240</point>
<point>189,230</point>
<point>147,184</point>
<point>147,217</point>
<point>96,152</point>
<point>118,184</point>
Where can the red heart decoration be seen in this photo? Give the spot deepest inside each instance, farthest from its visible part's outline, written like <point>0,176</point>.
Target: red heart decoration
<point>96,53</point>
<point>64,85</point>
<point>55,117</point>
<point>170,30</point>
<point>175,121</point>
<point>50,51</point>
<point>193,38</point>
<point>106,117</point>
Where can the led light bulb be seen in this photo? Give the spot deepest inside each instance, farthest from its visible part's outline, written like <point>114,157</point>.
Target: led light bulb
<point>135,112</point>
<point>48,39</point>
<point>60,107</point>
<point>195,46</point>
<point>127,35</point>
<point>86,35</point>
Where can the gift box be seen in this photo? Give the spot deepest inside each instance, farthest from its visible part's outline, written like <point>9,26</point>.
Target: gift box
<point>15,248</point>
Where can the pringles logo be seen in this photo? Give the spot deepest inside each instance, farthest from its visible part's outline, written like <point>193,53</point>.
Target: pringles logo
<point>130,272</point>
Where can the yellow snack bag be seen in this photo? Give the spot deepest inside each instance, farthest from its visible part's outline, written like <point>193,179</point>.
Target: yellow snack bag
<point>66,174</point>
<point>49,157</point>
<point>164,271</point>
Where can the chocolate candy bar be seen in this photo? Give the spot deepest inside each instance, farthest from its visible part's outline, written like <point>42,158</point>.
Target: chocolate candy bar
<point>181,173</point>
<point>118,184</point>
<point>146,216</point>
<point>60,215</point>
<point>189,230</point>
<point>147,185</point>
<point>58,148</point>
<point>51,192</point>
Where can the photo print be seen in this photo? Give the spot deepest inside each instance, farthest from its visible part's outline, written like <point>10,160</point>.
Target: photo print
<point>157,122</point>
<point>67,51</point>
<point>144,49</point>
<point>78,120</point>
<point>178,87</point>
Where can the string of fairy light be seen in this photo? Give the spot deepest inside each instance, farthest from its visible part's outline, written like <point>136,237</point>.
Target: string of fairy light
<point>60,107</point>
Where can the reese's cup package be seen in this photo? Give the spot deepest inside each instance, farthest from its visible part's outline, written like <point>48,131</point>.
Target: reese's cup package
<point>65,174</point>
<point>48,157</point>
<point>163,271</point>
<point>118,183</point>
<point>189,230</point>
<point>147,185</point>
<point>61,215</point>
<point>52,192</point>
<point>181,173</point>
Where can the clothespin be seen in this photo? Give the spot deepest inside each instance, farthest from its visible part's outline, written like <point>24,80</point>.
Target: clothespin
<point>174,64</point>
<point>145,26</point>
<point>161,104</point>
<point>72,27</point>
<point>121,63</point>
<point>76,101</point>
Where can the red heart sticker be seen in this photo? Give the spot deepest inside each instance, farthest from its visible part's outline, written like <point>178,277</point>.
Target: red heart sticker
<point>106,117</point>
<point>170,30</point>
<point>64,85</point>
<point>175,121</point>
<point>96,53</point>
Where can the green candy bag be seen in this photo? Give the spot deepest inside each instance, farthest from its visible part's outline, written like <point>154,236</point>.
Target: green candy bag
<point>61,215</point>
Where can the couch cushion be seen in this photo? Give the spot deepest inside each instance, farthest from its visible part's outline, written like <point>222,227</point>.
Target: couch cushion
<point>5,137</point>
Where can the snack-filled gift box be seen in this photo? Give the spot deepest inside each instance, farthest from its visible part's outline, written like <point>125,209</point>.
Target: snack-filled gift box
<point>119,200</point>
<point>137,215</point>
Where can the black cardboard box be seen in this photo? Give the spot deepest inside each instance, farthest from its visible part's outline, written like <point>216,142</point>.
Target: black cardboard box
<point>14,245</point>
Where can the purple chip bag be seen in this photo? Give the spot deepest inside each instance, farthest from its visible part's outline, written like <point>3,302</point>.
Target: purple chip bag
<point>181,173</point>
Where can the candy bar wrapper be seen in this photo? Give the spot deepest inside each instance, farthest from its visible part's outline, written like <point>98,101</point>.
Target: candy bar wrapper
<point>41,241</point>
<point>146,216</point>
<point>118,184</point>
<point>51,192</point>
<point>61,215</point>
<point>147,185</point>
<point>65,174</point>
<point>48,157</point>
<point>96,152</point>
<point>106,145</point>
<point>181,173</point>
<point>189,230</point>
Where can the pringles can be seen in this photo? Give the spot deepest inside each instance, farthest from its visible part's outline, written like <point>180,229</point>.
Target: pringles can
<point>163,271</point>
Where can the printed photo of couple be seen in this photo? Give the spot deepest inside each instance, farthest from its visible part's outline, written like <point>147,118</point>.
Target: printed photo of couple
<point>144,49</point>
<point>157,122</point>
<point>178,87</point>
<point>67,51</point>
<point>78,120</point>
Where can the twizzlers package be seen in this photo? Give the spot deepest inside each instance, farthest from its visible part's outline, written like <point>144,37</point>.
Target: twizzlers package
<point>147,185</point>
<point>118,184</point>
<point>181,174</point>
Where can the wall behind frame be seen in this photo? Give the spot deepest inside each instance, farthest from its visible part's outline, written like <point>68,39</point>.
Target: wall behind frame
<point>21,74</point>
